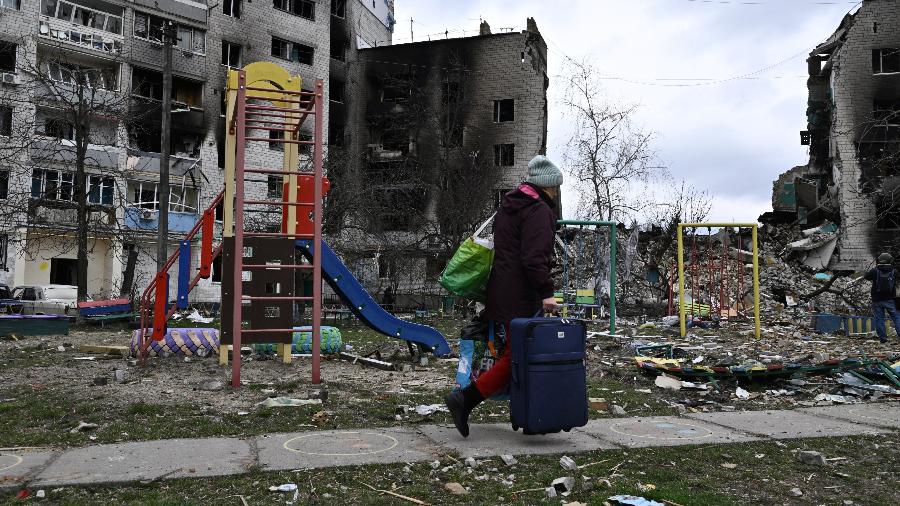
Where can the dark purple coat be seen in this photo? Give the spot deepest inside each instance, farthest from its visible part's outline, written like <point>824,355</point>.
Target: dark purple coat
<point>524,232</point>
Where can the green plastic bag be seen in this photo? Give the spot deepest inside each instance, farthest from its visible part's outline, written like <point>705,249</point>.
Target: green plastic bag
<point>468,271</point>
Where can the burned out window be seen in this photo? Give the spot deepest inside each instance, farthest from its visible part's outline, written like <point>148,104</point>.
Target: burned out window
<point>504,155</point>
<point>292,51</point>
<point>888,213</point>
<point>5,121</point>
<point>10,4</point>
<point>231,8</point>
<point>231,55</point>
<point>886,60</point>
<point>4,184</point>
<point>887,112</point>
<point>52,185</point>
<point>275,187</point>
<point>338,8</point>
<point>59,129</point>
<point>7,57</point>
<point>276,135</point>
<point>504,110</point>
<point>304,8</point>
<point>336,91</point>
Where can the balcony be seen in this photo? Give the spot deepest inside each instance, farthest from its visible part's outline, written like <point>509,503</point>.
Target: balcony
<point>82,36</point>
<point>145,161</point>
<point>137,218</point>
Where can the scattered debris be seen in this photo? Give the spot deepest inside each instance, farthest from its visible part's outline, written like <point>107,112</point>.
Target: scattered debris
<point>742,394</point>
<point>617,410</point>
<point>646,487</point>
<point>598,403</point>
<point>811,458</point>
<point>398,496</point>
<point>567,463</point>
<point>509,460</point>
<point>796,492</point>
<point>632,500</point>
<point>371,362</point>
<point>430,409</point>
<point>471,462</point>
<point>102,349</point>
<point>282,402</point>
<point>84,427</point>
<point>668,382</point>
<point>456,488</point>
<point>286,487</point>
<point>729,465</point>
<point>564,484</point>
<point>210,385</point>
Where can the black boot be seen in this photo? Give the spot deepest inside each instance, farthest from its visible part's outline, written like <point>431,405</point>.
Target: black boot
<point>461,403</point>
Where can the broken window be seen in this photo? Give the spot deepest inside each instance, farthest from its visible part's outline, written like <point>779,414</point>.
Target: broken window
<point>336,90</point>
<point>338,8</point>
<point>7,57</point>
<point>152,28</point>
<point>498,196</point>
<point>504,155</point>
<point>888,213</point>
<point>59,129</point>
<point>292,51</point>
<point>396,89</point>
<point>339,50</point>
<point>303,8</point>
<point>231,8</point>
<point>100,190</point>
<point>231,55</point>
<point>275,189</point>
<point>4,184</point>
<point>887,112</point>
<point>504,110</point>
<point>145,195</point>
<point>147,83</point>
<point>885,61</point>
<point>80,75</point>
<point>6,121</point>
<point>52,185</point>
<point>274,134</point>
<point>10,4</point>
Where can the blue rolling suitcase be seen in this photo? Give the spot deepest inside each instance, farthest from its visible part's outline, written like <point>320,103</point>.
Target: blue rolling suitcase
<point>548,384</point>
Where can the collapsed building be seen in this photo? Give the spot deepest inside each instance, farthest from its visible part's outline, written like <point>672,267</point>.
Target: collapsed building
<point>847,197</point>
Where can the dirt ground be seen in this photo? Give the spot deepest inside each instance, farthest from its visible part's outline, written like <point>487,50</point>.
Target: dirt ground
<point>53,391</point>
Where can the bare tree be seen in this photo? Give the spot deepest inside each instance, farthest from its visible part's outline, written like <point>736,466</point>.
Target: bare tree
<point>63,106</point>
<point>611,159</point>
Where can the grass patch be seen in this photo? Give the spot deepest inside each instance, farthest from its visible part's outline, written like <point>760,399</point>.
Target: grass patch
<point>765,473</point>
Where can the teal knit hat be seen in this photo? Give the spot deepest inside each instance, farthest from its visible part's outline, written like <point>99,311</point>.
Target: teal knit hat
<point>542,172</point>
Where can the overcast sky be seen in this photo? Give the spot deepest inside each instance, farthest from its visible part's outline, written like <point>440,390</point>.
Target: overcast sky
<point>732,138</point>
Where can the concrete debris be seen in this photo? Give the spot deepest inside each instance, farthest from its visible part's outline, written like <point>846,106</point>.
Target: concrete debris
<point>564,484</point>
<point>618,410</point>
<point>796,492</point>
<point>286,487</point>
<point>509,460</point>
<point>84,427</point>
<point>456,488</point>
<point>632,500</point>
<point>210,385</point>
<point>471,462</point>
<point>567,463</point>
<point>668,383</point>
<point>436,464</point>
<point>811,458</point>
<point>742,394</point>
<point>550,491</point>
<point>285,402</point>
<point>430,409</point>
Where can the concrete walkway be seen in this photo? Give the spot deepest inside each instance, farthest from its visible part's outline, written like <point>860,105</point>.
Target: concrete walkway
<point>178,458</point>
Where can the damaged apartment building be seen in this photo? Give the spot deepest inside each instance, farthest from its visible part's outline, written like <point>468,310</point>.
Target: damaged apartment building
<point>111,50</point>
<point>437,132</point>
<point>847,197</point>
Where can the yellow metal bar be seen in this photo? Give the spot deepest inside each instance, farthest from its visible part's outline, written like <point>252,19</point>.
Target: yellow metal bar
<point>230,149</point>
<point>755,281</point>
<point>285,351</point>
<point>681,283</point>
<point>291,163</point>
<point>717,225</point>
<point>223,353</point>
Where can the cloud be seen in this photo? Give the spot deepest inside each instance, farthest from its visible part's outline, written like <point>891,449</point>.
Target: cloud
<point>732,138</point>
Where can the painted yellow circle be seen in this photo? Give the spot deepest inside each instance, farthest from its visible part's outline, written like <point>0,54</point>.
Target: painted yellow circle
<point>616,428</point>
<point>359,443</point>
<point>16,460</point>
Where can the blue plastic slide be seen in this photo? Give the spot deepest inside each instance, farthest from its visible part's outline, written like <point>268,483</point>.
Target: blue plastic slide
<point>366,309</point>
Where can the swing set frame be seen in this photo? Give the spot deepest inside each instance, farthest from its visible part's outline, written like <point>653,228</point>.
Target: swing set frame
<point>613,227</point>
<point>754,230</point>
